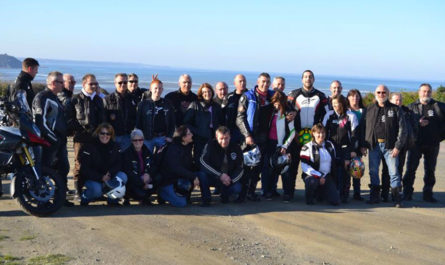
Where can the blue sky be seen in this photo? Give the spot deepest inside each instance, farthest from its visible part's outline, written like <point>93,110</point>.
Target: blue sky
<point>383,39</point>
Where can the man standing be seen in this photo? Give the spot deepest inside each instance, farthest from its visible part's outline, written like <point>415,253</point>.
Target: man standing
<point>309,104</point>
<point>67,92</point>
<point>254,114</point>
<point>279,84</point>
<point>21,92</point>
<point>428,116</point>
<point>86,112</point>
<point>49,117</point>
<point>222,162</point>
<point>335,89</point>
<point>385,137</point>
<point>396,99</point>
<point>221,90</point>
<point>181,99</point>
<point>232,107</point>
<point>120,110</point>
<point>133,88</point>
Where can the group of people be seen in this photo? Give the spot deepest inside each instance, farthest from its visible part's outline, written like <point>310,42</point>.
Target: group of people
<point>149,144</point>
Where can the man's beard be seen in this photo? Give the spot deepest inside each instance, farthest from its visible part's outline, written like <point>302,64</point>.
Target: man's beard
<point>425,99</point>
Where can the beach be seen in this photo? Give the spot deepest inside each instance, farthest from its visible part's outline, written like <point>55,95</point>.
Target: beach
<point>266,232</point>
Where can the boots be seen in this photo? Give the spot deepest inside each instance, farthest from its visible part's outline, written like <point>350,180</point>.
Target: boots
<point>397,197</point>
<point>374,195</point>
<point>428,196</point>
<point>385,194</point>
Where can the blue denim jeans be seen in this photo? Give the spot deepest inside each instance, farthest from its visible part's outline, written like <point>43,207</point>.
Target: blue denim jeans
<point>375,156</point>
<point>205,181</point>
<point>156,141</point>
<point>123,141</point>
<point>168,194</point>
<point>94,189</point>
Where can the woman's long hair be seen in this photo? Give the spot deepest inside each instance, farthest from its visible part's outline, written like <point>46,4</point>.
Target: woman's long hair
<point>281,98</point>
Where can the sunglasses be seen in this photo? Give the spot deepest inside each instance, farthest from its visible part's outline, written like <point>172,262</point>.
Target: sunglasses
<point>93,84</point>
<point>57,81</point>
<point>381,92</point>
<point>137,140</point>
<point>105,133</point>
<point>133,81</point>
<point>122,82</point>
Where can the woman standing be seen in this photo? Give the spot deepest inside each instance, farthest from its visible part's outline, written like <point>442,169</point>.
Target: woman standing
<point>340,126</point>
<point>203,117</point>
<point>319,169</point>
<point>100,163</point>
<point>280,136</point>
<point>355,105</point>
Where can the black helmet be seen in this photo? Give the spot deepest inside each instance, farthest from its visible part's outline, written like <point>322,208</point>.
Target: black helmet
<point>279,162</point>
<point>183,186</point>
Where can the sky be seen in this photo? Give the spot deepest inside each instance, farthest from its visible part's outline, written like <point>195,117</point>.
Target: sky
<point>379,39</point>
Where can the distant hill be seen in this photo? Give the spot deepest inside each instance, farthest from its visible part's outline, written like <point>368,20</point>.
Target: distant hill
<point>7,61</point>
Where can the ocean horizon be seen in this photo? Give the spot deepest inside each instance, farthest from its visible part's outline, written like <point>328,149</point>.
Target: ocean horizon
<point>105,71</point>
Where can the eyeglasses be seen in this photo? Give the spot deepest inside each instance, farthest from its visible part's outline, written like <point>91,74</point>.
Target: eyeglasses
<point>105,133</point>
<point>381,92</point>
<point>133,81</point>
<point>137,140</point>
<point>93,84</point>
<point>122,83</point>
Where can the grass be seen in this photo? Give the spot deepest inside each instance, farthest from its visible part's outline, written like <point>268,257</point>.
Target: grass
<point>3,237</point>
<point>10,260</point>
<point>27,237</point>
<point>57,259</point>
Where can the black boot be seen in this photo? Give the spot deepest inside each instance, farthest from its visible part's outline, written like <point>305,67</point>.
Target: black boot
<point>428,197</point>
<point>397,197</point>
<point>408,194</point>
<point>374,195</point>
<point>385,194</point>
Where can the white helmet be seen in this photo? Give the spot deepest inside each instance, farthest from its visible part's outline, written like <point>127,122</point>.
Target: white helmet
<point>252,157</point>
<point>116,188</point>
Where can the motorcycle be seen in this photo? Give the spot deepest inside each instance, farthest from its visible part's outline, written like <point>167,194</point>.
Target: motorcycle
<point>38,194</point>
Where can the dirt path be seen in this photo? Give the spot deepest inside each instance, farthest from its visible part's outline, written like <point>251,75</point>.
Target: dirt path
<point>269,232</point>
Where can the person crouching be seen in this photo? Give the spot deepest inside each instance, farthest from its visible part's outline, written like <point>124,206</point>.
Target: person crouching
<point>222,163</point>
<point>318,166</point>
<point>139,167</point>
<point>100,165</point>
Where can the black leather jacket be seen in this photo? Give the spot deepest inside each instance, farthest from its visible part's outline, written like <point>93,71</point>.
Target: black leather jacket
<point>213,156</point>
<point>131,166</point>
<point>121,112</point>
<point>85,115</point>
<point>21,92</point>
<point>395,133</point>
<point>49,116</point>
<point>145,117</point>
<point>96,159</point>
<point>198,119</point>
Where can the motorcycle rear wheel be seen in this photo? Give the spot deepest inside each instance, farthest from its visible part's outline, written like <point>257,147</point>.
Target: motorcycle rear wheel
<point>42,201</point>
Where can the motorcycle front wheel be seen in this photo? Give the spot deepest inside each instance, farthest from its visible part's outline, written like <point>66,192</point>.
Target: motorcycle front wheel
<point>39,197</point>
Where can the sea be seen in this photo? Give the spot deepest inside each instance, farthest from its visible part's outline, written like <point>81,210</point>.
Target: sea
<point>105,71</point>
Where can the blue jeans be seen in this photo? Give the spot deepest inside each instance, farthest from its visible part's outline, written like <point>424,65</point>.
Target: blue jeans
<point>205,181</point>
<point>156,141</point>
<point>168,194</point>
<point>375,156</point>
<point>94,189</point>
<point>123,141</point>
